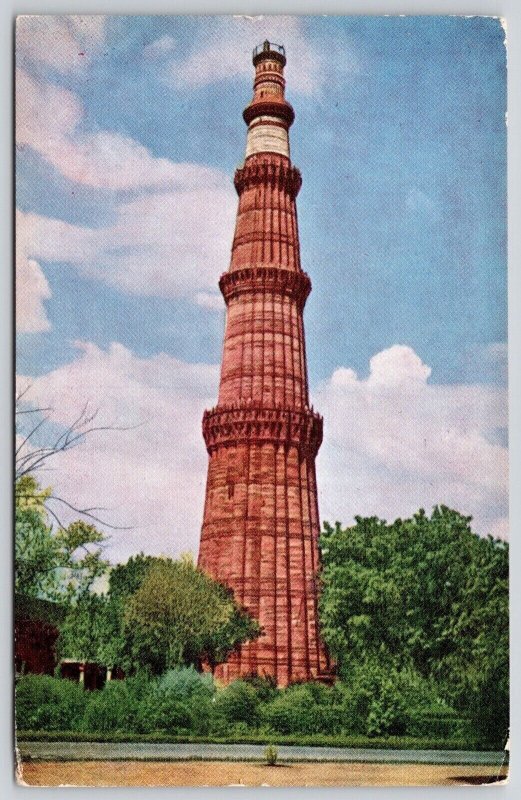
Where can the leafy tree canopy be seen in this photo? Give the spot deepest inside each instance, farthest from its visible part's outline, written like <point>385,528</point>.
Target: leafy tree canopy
<point>125,579</point>
<point>179,615</point>
<point>158,614</point>
<point>55,564</point>
<point>426,594</point>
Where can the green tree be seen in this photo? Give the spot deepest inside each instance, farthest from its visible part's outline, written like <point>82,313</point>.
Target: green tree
<point>116,645</point>
<point>93,631</point>
<point>80,631</point>
<point>54,564</point>
<point>214,646</point>
<point>424,594</point>
<point>125,579</point>
<point>176,613</point>
<point>238,702</point>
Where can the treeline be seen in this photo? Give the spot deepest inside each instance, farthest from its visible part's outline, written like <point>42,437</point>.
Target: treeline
<point>414,614</point>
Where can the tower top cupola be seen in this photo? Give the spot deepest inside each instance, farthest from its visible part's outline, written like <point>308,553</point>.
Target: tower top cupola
<point>268,50</point>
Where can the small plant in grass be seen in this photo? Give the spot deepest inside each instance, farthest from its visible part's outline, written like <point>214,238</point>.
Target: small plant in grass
<point>271,755</point>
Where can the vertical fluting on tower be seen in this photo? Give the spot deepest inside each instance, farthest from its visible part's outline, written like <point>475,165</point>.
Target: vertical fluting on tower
<point>261,525</point>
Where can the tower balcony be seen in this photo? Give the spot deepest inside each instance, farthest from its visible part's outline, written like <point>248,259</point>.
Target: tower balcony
<point>249,421</point>
<point>292,283</point>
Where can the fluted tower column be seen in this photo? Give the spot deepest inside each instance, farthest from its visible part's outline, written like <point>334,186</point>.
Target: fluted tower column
<point>261,521</point>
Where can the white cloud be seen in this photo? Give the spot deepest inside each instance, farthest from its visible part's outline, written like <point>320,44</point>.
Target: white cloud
<point>65,43</point>
<point>224,51</point>
<point>160,48</point>
<point>162,244</point>
<point>389,447</point>
<point>210,300</point>
<point>32,289</point>
<point>151,477</point>
<point>394,443</point>
<point>48,119</point>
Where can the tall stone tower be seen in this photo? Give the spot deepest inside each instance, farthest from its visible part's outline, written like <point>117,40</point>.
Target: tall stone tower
<point>261,521</point>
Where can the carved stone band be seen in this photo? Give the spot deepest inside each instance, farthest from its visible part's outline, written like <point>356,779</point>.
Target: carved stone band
<point>276,173</point>
<point>230,425</point>
<point>296,285</point>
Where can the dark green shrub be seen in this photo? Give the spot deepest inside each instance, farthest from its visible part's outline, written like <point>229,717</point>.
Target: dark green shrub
<point>178,701</point>
<point>238,702</point>
<point>387,714</point>
<point>159,711</point>
<point>440,724</point>
<point>489,707</point>
<point>114,708</point>
<point>50,704</point>
<point>295,710</point>
<point>266,687</point>
<point>383,698</point>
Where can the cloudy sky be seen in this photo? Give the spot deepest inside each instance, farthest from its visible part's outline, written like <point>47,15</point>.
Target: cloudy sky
<point>128,132</point>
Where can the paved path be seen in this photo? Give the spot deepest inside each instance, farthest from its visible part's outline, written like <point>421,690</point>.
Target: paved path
<point>123,751</point>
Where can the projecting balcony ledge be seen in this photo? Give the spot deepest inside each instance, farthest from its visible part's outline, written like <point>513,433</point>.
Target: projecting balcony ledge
<point>268,169</point>
<point>269,108</point>
<point>295,284</point>
<point>251,422</point>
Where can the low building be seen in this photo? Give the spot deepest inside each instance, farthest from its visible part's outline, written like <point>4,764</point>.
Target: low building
<point>36,631</point>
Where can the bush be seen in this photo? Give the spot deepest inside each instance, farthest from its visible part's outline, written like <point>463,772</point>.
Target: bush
<point>296,710</point>
<point>113,708</point>
<point>238,702</point>
<point>179,701</point>
<point>271,754</point>
<point>387,714</point>
<point>159,711</point>
<point>186,683</point>
<point>50,704</point>
<point>383,699</point>
<point>266,688</point>
<point>442,724</point>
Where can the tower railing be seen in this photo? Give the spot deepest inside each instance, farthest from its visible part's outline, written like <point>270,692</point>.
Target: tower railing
<point>266,47</point>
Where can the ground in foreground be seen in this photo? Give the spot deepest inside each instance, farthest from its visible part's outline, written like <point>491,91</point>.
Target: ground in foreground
<point>228,773</point>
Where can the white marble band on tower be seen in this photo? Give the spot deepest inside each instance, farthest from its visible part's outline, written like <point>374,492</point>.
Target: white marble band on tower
<point>266,134</point>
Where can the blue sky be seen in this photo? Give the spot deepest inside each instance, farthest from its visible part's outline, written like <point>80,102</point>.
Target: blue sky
<point>401,140</point>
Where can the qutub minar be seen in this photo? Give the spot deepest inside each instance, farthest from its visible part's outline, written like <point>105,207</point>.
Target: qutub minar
<point>261,523</point>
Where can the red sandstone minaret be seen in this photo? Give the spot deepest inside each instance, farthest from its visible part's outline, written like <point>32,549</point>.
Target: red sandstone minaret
<point>261,521</point>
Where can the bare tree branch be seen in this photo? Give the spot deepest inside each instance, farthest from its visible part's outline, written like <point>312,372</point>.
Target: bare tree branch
<point>22,392</point>
<point>73,435</point>
<point>31,461</point>
<point>31,410</point>
<point>32,432</point>
<point>86,512</point>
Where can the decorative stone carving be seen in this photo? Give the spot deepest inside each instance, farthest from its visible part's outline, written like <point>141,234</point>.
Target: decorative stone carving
<point>245,422</point>
<point>270,172</point>
<point>295,285</point>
